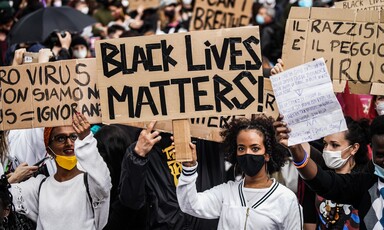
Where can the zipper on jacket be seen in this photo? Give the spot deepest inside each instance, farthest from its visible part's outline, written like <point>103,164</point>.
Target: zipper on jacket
<point>246,219</point>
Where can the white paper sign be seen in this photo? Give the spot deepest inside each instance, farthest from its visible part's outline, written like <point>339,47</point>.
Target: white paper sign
<point>305,97</point>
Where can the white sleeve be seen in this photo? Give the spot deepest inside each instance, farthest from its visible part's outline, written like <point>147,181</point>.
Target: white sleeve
<point>91,161</point>
<point>207,204</point>
<point>25,196</point>
<point>26,145</point>
<point>294,218</point>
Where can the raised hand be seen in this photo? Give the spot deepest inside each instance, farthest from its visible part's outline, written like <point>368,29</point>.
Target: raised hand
<point>278,68</point>
<point>147,140</point>
<point>281,131</point>
<point>81,125</point>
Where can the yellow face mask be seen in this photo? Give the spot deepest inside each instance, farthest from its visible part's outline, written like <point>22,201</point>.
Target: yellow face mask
<point>66,162</point>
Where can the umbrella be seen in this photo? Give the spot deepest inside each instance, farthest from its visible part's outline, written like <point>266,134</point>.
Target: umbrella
<point>38,25</point>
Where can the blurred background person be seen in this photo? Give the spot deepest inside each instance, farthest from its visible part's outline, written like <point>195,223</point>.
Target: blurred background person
<point>79,47</point>
<point>170,18</point>
<point>271,35</point>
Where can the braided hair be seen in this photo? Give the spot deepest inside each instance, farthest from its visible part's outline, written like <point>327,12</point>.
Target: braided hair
<point>262,124</point>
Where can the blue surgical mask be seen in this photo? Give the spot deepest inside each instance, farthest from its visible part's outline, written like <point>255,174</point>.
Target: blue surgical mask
<point>379,171</point>
<point>305,3</point>
<point>260,19</point>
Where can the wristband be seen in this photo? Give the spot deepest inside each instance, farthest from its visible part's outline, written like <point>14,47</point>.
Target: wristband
<point>298,164</point>
<point>303,165</point>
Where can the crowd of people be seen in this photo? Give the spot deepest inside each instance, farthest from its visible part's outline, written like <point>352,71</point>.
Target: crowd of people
<point>87,176</point>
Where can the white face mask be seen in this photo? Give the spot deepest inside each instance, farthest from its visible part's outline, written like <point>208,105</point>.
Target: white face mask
<point>333,159</point>
<point>380,108</point>
<point>84,10</point>
<point>80,53</point>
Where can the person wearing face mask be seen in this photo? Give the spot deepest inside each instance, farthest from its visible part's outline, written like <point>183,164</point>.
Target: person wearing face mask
<point>344,152</point>
<point>170,18</point>
<point>363,190</point>
<point>72,198</point>
<point>271,34</point>
<point>79,47</point>
<point>376,107</point>
<point>254,202</point>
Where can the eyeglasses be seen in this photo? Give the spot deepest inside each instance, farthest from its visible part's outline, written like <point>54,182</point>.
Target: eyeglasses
<point>63,138</point>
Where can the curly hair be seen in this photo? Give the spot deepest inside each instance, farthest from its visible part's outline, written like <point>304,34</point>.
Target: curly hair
<point>264,125</point>
<point>358,132</point>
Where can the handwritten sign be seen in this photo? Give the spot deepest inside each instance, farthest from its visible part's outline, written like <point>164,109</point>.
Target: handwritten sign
<point>216,14</point>
<point>306,99</point>
<point>352,43</point>
<point>360,4</point>
<point>41,95</point>
<point>183,75</point>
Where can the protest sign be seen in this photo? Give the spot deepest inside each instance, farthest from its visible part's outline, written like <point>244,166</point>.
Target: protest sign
<point>218,14</point>
<point>360,4</point>
<point>145,4</point>
<point>352,44</point>
<point>182,138</point>
<point>182,75</point>
<point>206,128</point>
<point>306,99</point>
<point>41,95</point>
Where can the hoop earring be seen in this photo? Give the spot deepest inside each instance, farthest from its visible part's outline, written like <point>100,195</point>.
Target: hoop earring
<point>5,219</point>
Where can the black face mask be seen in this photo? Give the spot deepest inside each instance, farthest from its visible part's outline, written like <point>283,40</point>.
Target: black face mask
<point>250,163</point>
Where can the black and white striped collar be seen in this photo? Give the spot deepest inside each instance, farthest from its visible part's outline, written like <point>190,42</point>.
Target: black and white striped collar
<point>272,189</point>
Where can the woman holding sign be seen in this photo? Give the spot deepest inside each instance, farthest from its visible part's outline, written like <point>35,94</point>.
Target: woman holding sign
<point>344,152</point>
<point>254,202</point>
<point>71,198</point>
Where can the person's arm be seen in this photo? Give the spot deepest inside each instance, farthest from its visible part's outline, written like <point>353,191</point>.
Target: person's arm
<point>134,168</point>
<point>21,173</point>
<point>133,179</point>
<point>26,196</point>
<point>90,159</point>
<point>207,204</point>
<point>62,52</point>
<point>342,188</point>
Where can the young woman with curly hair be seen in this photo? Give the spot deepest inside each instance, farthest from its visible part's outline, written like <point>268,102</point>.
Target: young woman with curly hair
<point>254,202</point>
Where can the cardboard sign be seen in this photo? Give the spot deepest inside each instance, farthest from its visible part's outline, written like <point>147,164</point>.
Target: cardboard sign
<point>361,4</point>
<point>206,128</point>
<point>146,4</point>
<point>306,99</point>
<point>352,44</point>
<point>43,95</point>
<point>182,137</point>
<point>217,14</point>
<point>182,75</point>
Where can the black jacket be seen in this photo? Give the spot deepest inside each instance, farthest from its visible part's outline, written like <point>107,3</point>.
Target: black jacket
<point>358,189</point>
<point>150,182</point>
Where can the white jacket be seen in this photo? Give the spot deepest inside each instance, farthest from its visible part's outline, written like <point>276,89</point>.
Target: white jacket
<point>278,208</point>
<point>65,205</point>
